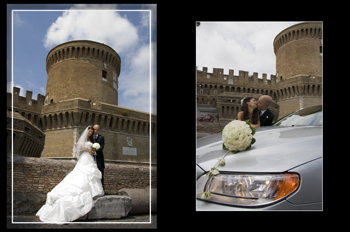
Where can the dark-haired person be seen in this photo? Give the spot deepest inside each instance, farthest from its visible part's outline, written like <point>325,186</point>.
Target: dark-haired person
<point>249,111</point>
<point>73,196</point>
<point>99,154</point>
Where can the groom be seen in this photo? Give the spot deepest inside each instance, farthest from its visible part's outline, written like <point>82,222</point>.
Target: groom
<point>266,116</point>
<point>99,154</point>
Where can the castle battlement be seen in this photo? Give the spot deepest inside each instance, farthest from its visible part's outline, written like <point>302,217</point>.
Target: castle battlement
<point>83,49</point>
<point>60,120</point>
<point>74,112</point>
<point>297,83</point>
<point>25,103</point>
<point>225,91</point>
<point>298,51</point>
<point>243,77</point>
<point>82,90</point>
<point>298,32</point>
<point>83,68</point>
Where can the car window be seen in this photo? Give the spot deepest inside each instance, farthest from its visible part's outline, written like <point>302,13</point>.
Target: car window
<point>311,116</point>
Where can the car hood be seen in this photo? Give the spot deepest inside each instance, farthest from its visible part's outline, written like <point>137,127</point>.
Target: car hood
<point>275,150</point>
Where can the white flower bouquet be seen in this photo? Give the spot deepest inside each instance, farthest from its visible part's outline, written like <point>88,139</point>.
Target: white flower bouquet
<point>236,136</point>
<point>96,146</point>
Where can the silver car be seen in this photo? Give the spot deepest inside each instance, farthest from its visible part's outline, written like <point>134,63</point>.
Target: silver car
<point>282,170</point>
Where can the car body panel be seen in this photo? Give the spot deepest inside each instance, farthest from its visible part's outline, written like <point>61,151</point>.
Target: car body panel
<point>310,186</point>
<point>282,205</point>
<point>291,148</point>
<point>299,145</point>
<point>307,197</point>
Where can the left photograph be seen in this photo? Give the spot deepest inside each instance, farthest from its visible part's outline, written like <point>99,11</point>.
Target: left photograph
<point>81,116</point>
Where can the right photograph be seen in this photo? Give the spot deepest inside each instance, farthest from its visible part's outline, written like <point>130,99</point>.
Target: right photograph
<point>259,116</point>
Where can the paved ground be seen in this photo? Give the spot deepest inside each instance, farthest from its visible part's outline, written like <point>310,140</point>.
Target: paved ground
<point>201,135</point>
<point>131,221</point>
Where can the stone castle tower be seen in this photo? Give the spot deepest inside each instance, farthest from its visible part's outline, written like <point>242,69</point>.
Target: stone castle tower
<point>298,51</point>
<point>82,90</point>
<point>83,68</point>
<point>297,83</point>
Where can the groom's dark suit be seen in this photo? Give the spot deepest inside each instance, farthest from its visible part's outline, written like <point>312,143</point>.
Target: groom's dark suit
<point>267,118</point>
<point>99,157</point>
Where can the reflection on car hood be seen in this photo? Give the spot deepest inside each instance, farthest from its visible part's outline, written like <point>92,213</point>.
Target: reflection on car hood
<point>275,150</point>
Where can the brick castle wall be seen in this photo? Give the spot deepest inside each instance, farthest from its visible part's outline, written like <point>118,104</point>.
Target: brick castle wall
<point>33,178</point>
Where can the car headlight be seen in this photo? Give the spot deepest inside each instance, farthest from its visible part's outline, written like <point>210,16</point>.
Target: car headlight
<point>249,189</point>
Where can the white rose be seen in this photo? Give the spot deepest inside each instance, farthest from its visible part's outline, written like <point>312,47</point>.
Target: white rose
<point>244,140</point>
<point>237,135</point>
<point>221,162</point>
<point>248,130</point>
<point>231,145</point>
<point>206,195</point>
<point>96,146</point>
<point>233,134</point>
<point>214,172</point>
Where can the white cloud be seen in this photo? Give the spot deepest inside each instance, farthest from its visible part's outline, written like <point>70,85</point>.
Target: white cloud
<point>135,82</point>
<point>102,26</point>
<point>244,46</point>
<point>118,32</point>
<point>10,85</point>
<point>153,8</point>
<point>94,7</point>
<point>145,18</point>
<point>42,90</point>
<point>141,59</point>
<point>130,92</point>
<point>17,20</point>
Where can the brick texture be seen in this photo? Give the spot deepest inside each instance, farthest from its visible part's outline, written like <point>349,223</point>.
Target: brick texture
<point>33,178</point>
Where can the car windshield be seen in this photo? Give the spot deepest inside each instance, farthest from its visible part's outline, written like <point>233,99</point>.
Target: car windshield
<point>311,116</point>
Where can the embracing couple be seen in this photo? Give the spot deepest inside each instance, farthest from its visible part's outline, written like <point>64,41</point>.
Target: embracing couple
<point>73,196</point>
<point>256,111</point>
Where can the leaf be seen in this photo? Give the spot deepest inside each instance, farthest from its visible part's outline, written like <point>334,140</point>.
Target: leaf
<point>253,130</point>
<point>253,141</point>
<point>224,147</point>
<point>208,174</point>
<point>234,152</point>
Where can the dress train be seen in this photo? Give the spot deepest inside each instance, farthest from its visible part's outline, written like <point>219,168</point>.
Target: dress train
<point>73,196</point>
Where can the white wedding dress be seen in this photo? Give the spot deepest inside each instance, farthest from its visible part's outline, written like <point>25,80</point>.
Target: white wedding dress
<point>72,197</point>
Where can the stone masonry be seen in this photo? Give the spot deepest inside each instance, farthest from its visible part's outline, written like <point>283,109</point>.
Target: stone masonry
<point>82,90</point>
<point>33,178</point>
<point>297,83</point>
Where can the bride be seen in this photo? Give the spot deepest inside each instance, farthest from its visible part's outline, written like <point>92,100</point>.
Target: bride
<point>73,196</point>
<point>249,111</point>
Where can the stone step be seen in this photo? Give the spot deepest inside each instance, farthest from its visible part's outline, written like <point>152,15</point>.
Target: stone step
<point>140,200</point>
<point>109,207</point>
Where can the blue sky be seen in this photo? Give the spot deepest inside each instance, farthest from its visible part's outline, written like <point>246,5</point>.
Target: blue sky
<point>37,28</point>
